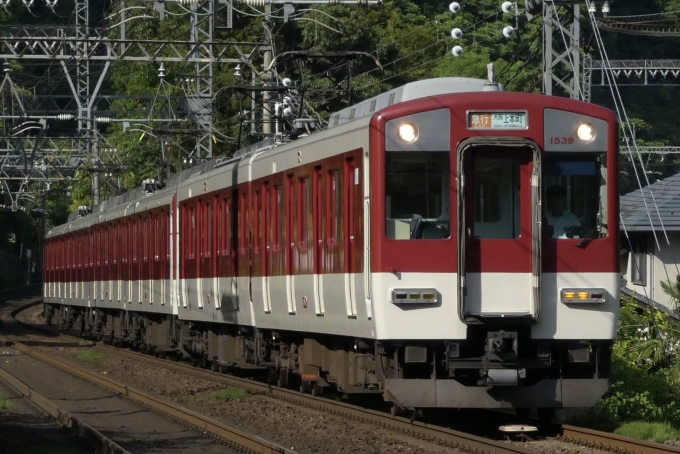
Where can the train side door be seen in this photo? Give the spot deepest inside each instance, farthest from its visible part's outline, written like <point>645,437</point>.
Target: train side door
<point>318,240</point>
<point>290,239</point>
<point>277,271</point>
<point>351,189</point>
<point>499,229</point>
<point>260,245</point>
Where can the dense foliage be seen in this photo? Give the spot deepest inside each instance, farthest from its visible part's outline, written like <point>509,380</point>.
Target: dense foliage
<point>646,372</point>
<point>406,40</point>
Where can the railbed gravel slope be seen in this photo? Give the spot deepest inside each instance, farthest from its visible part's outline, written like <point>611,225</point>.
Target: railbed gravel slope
<point>301,429</point>
<point>25,429</point>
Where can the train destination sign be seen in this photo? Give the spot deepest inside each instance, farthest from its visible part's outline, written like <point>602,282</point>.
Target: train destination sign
<point>497,120</point>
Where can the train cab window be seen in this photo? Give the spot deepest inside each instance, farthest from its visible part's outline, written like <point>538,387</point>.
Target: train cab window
<point>496,198</point>
<point>278,216</point>
<point>417,199</point>
<point>575,195</point>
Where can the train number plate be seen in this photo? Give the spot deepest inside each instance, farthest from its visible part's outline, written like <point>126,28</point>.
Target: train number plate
<point>497,120</point>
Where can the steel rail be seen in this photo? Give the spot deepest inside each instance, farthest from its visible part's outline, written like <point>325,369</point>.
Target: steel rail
<point>441,435</point>
<point>230,435</point>
<point>612,442</point>
<point>448,437</point>
<point>416,429</point>
<point>92,436</point>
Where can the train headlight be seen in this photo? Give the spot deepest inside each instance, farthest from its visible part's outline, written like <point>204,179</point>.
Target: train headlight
<point>408,132</point>
<point>415,296</point>
<point>582,295</point>
<point>585,132</point>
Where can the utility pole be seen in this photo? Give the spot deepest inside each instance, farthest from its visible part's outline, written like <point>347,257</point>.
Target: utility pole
<point>268,56</point>
<point>563,49</point>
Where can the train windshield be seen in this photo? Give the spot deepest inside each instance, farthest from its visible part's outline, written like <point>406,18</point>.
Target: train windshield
<point>417,201</point>
<point>575,195</point>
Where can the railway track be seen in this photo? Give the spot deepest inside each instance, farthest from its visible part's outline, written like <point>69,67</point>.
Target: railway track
<point>20,292</point>
<point>612,442</point>
<point>440,435</point>
<point>229,435</point>
<point>93,437</point>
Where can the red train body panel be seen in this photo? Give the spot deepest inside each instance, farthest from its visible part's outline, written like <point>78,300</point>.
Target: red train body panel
<point>412,249</point>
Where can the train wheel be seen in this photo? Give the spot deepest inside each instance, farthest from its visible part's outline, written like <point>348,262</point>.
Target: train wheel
<point>282,381</point>
<point>545,414</point>
<point>523,412</point>
<point>317,390</point>
<point>414,414</point>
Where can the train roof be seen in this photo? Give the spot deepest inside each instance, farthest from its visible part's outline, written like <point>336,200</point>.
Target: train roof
<point>410,91</point>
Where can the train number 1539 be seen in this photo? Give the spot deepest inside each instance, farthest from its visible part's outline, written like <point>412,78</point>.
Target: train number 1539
<point>561,141</point>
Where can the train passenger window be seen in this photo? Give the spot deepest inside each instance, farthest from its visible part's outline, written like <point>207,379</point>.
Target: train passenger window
<point>219,225</point>
<point>417,195</point>
<point>278,217</point>
<point>304,212</point>
<point>242,224</point>
<point>192,233</point>
<point>257,218</point>
<point>334,205</point>
<point>496,198</point>
<point>208,230</point>
<point>575,195</point>
<point>157,239</point>
<point>227,228</point>
<point>135,242</point>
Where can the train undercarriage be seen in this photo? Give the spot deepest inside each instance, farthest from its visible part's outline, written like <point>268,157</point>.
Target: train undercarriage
<point>495,367</point>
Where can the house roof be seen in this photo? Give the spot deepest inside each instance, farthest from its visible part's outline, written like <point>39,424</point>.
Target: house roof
<point>636,216</point>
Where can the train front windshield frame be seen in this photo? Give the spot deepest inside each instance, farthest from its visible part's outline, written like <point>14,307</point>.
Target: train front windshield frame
<point>417,195</point>
<point>580,181</point>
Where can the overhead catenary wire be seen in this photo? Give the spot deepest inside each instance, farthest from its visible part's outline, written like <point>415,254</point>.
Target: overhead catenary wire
<point>623,117</point>
<point>628,136</point>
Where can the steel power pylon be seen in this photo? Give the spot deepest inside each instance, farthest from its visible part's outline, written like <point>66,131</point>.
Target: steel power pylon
<point>561,47</point>
<point>85,54</point>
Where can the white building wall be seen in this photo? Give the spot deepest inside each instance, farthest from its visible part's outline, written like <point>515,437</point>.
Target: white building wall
<point>663,264</point>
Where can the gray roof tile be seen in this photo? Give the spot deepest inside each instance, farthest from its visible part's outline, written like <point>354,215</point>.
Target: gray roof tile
<point>666,194</point>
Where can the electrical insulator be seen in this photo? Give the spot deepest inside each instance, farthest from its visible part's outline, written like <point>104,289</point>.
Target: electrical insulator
<point>508,31</point>
<point>456,33</point>
<point>454,7</point>
<point>65,117</point>
<point>457,51</point>
<point>104,120</point>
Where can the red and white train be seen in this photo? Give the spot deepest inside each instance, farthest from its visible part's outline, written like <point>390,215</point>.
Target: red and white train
<point>445,244</point>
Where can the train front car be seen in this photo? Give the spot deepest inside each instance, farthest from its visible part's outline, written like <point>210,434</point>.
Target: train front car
<point>494,261</point>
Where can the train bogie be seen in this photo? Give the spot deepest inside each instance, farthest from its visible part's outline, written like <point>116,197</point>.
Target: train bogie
<point>439,244</point>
